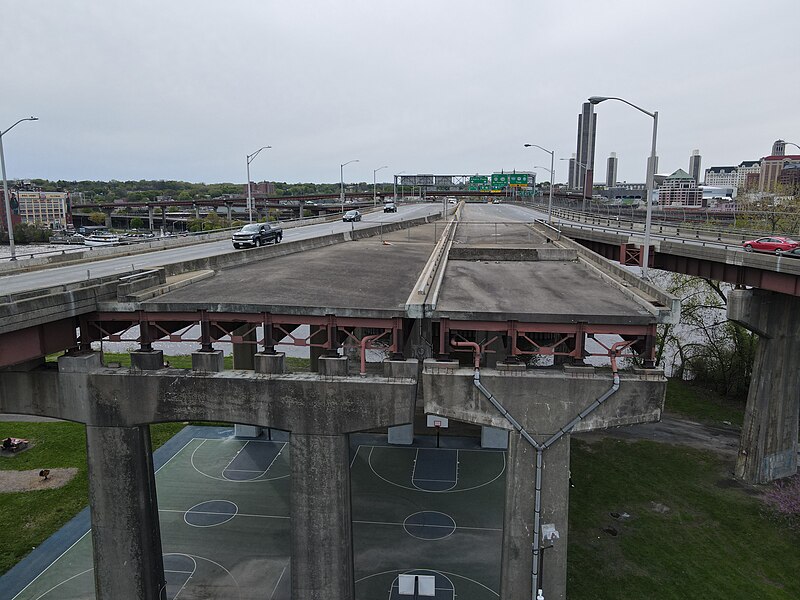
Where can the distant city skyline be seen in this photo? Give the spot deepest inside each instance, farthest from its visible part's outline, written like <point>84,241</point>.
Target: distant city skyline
<point>185,91</point>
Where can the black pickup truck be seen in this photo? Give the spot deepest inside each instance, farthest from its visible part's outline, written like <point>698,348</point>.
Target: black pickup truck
<point>257,234</point>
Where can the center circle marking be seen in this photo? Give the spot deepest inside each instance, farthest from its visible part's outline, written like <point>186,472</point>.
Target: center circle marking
<point>429,525</point>
<point>210,513</point>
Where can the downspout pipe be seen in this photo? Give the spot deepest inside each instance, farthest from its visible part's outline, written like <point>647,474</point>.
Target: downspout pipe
<point>540,448</point>
<point>365,341</point>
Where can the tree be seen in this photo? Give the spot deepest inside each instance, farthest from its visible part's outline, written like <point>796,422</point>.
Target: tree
<point>98,218</point>
<point>705,347</point>
<point>137,223</point>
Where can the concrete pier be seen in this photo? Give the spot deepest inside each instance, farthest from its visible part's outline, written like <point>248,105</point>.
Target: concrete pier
<point>122,495</point>
<point>322,536</point>
<point>768,446</point>
<point>117,404</point>
<point>126,537</point>
<point>542,401</point>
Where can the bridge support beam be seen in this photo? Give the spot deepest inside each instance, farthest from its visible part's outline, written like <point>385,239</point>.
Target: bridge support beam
<point>126,536</point>
<point>768,446</point>
<point>542,402</point>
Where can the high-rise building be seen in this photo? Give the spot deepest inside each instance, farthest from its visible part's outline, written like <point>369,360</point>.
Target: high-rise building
<point>721,176</point>
<point>747,174</point>
<point>587,128</point>
<point>571,176</point>
<point>680,189</point>
<point>611,170</point>
<point>773,165</point>
<point>694,165</point>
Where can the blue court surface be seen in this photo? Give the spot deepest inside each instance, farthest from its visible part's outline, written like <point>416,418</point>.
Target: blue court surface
<point>224,511</point>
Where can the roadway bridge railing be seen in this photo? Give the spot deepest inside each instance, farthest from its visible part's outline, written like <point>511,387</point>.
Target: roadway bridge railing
<point>79,253</point>
<point>690,255</point>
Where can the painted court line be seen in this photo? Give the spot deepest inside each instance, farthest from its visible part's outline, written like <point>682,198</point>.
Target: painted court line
<point>447,526</point>
<point>200,512</point>
<point>272,595</point>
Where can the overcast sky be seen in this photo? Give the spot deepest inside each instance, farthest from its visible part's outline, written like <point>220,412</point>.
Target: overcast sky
<point>185,89</point>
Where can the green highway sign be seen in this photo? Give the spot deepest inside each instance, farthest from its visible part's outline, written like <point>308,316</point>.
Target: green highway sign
<point>499,179</point>
<point>504,179</point>
<point>518,179</point>
<point>476,179</point>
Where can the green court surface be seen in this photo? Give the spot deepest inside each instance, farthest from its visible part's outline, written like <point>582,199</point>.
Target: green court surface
<point>224,510</point>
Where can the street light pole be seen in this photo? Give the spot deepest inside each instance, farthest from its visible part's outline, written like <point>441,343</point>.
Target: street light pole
<point>374,191</point>
<point>651,172</point>
<point>250,158</point>
<point>341,179</point>
<point>5,187</point>
<point>552,178</point>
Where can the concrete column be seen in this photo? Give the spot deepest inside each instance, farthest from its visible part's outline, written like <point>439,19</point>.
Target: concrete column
<point>243,353</point>
<point>108,218</point>
<point>768,446</point>
<point>322,537</point>
<point>315,353</point>
<point>126,538</point>
<point>517,558</point>
<point>401,434</point>
<point>151,225</point>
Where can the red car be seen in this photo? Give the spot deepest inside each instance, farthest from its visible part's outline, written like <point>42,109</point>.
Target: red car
<point>774,244</point>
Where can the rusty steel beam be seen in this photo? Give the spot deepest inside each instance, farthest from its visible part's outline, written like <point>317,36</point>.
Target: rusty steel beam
<point>38,341</point>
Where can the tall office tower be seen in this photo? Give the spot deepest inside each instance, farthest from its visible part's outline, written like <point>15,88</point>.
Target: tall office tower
<point>611,170</point>
<point>779,148</point>
<point>571,176</point>
<point>587,127</point>
<point>694,165</point>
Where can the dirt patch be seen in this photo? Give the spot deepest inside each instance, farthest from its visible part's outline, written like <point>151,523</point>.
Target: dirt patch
<point>26,481</point>
<point>677,431</point>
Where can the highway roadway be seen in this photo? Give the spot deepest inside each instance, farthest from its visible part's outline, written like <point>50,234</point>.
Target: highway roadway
<point>45,278</point>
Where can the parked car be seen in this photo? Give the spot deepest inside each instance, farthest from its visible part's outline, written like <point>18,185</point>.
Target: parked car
<point>257,234</point>
<point>793,253</point>
<point>390,207</point>
<point>352,215</point>
<point>776,244</point>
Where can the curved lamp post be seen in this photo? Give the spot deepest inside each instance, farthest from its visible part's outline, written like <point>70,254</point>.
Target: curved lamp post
<point>651,168</point>
<point>341,179</point>
<point>5,187</point>
<point>552,177</point>
<point>374,192</point>
<point>250,158</point>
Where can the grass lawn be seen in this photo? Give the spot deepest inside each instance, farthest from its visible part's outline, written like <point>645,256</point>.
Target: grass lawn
<point>29,518</point>
<point>704,406</point>
<point>693,532</point>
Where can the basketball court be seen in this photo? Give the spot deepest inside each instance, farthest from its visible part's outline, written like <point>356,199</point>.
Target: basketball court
<point>224,511</point>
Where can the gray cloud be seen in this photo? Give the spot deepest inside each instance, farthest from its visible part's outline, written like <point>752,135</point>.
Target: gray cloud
<point>184,89</point>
